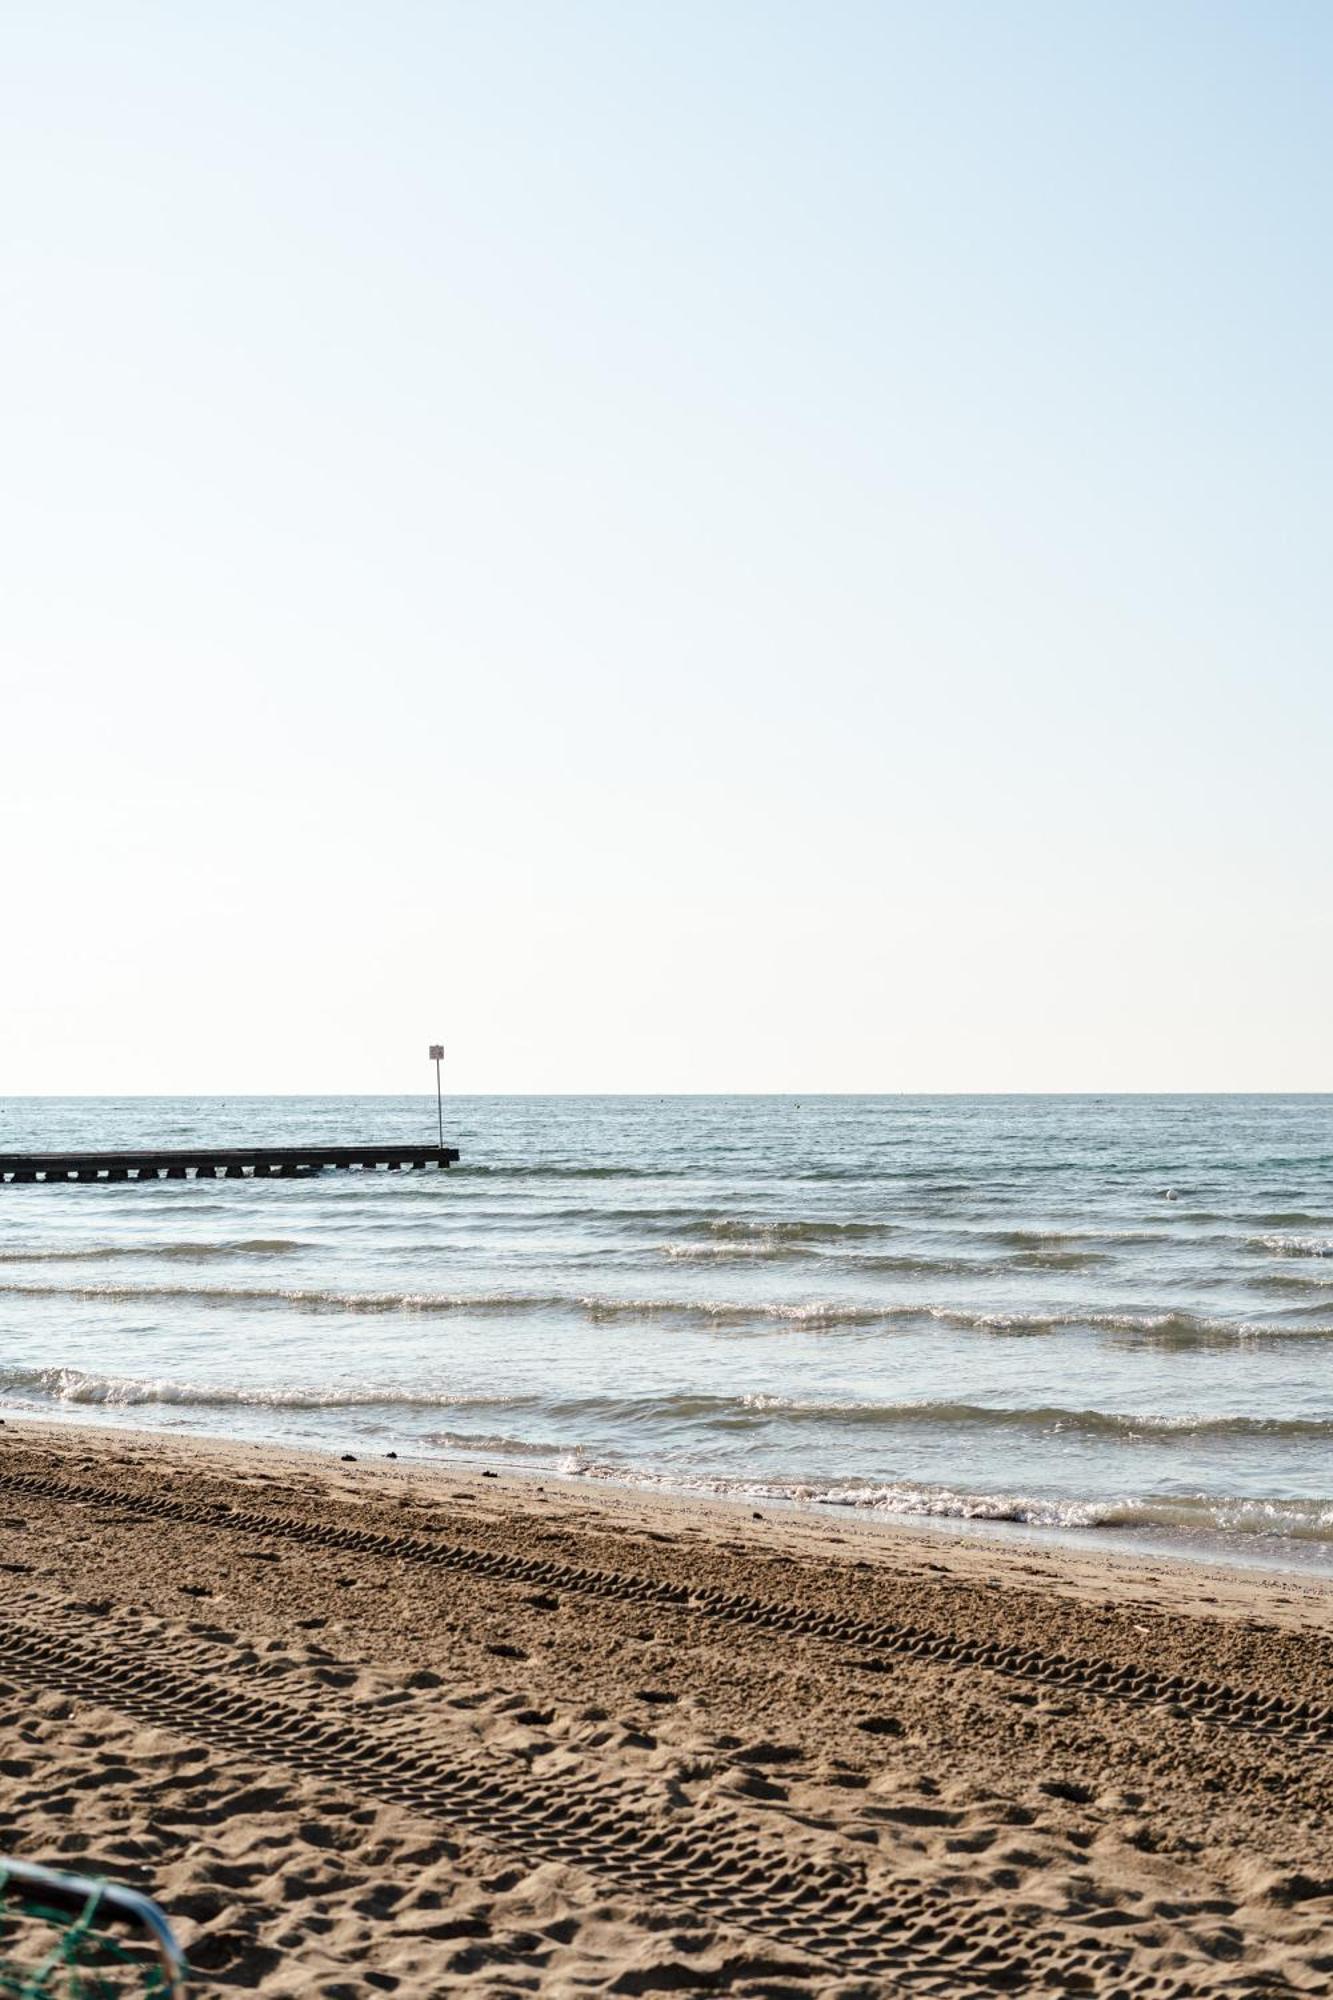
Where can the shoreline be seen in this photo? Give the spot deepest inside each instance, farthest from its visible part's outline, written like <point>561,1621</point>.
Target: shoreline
<point>439,1727</point>
<point>1082,1558</point>
<point>1211,1548</point>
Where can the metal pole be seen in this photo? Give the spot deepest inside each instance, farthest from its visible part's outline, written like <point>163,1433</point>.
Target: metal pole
<point>436,1056</point>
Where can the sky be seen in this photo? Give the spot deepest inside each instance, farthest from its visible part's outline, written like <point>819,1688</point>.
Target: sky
<point>695,546</point>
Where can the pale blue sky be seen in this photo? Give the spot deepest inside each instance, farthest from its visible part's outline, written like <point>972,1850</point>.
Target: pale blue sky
<point>703,545</point>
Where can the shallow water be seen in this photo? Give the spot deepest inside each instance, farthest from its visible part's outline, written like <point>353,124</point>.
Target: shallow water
<point>1065,1312</point>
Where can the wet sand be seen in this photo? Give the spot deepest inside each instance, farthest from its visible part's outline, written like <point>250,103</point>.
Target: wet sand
<point>377,1728</point>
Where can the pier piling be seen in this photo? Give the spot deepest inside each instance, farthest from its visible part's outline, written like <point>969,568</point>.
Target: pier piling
<point>207,1163</point>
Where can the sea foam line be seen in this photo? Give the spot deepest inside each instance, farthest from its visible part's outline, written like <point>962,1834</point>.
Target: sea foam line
<point>756,1410</point>
<point>1303,1519</point>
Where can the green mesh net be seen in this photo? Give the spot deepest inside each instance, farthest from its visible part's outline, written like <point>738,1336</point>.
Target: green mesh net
<point>74,1953</point>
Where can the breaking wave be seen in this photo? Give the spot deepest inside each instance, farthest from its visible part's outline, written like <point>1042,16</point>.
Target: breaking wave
<point>800,1230</point>
<point>1294,1246</point>
<point>647,1413</point>
<point>1198,1515</point>
<point>1172,1329</point>
<point>78,1385</point>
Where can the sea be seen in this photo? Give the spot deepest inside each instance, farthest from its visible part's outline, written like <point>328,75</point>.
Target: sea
<point>1084,1317</point>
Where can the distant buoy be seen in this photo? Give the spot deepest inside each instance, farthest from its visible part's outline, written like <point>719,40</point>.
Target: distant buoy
<point>1169,1194</point>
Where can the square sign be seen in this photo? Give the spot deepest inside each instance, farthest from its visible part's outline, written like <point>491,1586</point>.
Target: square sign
<point>437,1051</point>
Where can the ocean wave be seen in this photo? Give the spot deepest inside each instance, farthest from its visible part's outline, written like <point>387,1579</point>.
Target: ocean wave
<point>304,1298</point>
<point>1054,1259</point>
<point>77,1385</point>
<point>853,1262</point>
<point>1282,1519</point>
<point>1276,1217</point>
<point>1168,1328</point>
<point>1294,1246</point>
<point>1043,1417</point>
<point>652,1411</point>
<point>798,1229</point>
<point>1061,1239</point>
<point>756,1252</point>
<point>1173,1329</point>
<point>190,1253</point>
<point>498,1443</point>
<point>873,1263</point>
<point>1300,1520</point>
<point>944,1414</point>
<point>520,1170</point>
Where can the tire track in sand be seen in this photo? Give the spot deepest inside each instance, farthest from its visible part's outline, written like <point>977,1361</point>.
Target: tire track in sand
<point>1299,1722</point>
<point>714,1864</point>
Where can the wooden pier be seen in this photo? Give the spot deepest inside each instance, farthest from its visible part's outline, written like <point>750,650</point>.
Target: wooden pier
<point>218,1162</point>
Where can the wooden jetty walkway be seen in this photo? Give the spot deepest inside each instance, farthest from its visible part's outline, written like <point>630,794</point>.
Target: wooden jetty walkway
<point>209,1162</point>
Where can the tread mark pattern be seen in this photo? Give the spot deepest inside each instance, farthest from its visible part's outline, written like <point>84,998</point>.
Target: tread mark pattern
<point>1301,1722</point>
<point>714,1864</point>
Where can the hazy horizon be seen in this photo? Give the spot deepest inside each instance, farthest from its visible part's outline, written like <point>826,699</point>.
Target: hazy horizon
<point>427,1098</point>
<point>754,549</point>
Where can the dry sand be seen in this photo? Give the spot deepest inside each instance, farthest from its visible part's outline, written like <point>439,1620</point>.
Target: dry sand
<point>379,1729</point>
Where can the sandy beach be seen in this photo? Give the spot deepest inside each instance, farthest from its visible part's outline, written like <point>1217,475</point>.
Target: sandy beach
<point>370,1727</point>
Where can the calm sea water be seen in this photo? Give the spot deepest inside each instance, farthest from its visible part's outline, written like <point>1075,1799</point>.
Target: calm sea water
<point>1070,1313</point>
